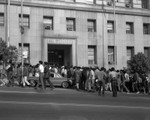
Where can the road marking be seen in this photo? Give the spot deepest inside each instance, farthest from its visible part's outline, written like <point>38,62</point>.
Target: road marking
<point>48,91</point>
<point>27,92</point>
<point>146,98</point>
<point>75,105</point>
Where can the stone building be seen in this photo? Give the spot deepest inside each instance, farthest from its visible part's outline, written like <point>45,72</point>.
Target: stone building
<point>77,32</point>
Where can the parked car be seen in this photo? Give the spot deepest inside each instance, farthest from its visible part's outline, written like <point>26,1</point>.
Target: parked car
<point>56,78</point>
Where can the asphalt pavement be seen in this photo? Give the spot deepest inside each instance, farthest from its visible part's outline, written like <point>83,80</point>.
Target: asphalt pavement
<point>68,104</point>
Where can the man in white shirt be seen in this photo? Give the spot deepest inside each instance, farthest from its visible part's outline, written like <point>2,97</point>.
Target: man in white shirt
<point>41,75</point>
<point>113,77</point>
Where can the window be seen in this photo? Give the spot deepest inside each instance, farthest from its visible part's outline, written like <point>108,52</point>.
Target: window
<point>48,22</point>
<point>111,55</point>
<point>26,20</point>
<point>128,3</point>
<point>26,52</point>
<point>129,28</point>
<point>145,4</point>
<point>110,26</point>
<point>69,0</point>
<point>70,24</point>
<point>146,28</point>
<point>147,51</point>
<point>91,25</point>
<point>110,2</point>
<point>2,19</point>
<point>91,55</point>
<point>90,1</point>
<point>130,52</point>
<point>86,1</point>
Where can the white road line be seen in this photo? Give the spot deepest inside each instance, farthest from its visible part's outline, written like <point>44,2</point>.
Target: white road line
<point>75,105</point>
<point>146,98</point>
<point>26,92</point>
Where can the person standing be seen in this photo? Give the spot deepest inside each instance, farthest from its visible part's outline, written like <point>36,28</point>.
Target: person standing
<point>41,75</point>
<point>83,78</point>
<point>9,70</point>
<point>108,81</point>
<point>77,77</point>
<point>92,75</point>
<point>25,76</point>
<point>119,80</point>
<point>101,75</point>
<point>47,76</point>
<point>124,79</point>
<point>88,80</point>
<point>127,79</point>
<point>19,74</point>
<point>113,77</point>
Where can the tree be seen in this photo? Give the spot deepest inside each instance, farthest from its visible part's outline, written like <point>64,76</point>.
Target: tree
<point>7,54</point>
<point>139,63</point>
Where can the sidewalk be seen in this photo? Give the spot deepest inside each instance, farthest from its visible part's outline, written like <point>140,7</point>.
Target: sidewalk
<point>25,89</point>
<point>57,90</point>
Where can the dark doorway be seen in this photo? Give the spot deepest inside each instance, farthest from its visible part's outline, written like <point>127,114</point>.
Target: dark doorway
<point>59,54</point>
<point>56,57</point>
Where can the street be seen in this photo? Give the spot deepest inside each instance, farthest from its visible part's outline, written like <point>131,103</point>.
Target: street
<point>69,104</point>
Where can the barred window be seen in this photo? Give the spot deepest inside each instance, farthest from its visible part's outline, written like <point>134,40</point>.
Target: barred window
<point>111,55</point>
<point>91,55</point>
<point>129,3</point>
<point>110,27</point>
<point>145,4</point>
<point>130,52</point>
<point>2,19</point>
<point>147,51</point>
<point>26,20</point>
<point>70,24</point>
<point>69,0</point>
<point>48,22</point>
<point>129,28</point>
<point>86,1</point>
<point>91,25</point>
<point>146,28</point>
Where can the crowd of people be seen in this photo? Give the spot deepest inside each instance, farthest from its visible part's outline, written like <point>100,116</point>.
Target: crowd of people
<point>90,79</point>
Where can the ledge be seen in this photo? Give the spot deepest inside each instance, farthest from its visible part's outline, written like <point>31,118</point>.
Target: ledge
<point>81,7</point>
<point>59,36</point>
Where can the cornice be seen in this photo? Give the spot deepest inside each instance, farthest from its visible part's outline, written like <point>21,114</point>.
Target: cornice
<point>60,36</point>
<point>82,7</point>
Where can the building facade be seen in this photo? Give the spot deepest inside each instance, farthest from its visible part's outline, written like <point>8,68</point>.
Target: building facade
<point>77,32</point>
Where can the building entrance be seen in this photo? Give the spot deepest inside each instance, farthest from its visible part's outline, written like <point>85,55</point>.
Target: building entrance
<point>60,54</point>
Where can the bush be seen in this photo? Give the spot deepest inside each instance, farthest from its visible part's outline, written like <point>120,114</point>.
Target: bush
<point>7,54</point>
<point>139,63</point>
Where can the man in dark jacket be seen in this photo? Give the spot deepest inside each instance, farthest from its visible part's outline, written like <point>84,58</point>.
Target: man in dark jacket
<point>77,77</point>
<point>47,76</point>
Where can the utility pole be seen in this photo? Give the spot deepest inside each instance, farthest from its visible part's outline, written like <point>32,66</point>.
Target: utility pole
<point>115,45</point>
<point>22,32</point>
<point>8,23</point>
<point>103,33</point>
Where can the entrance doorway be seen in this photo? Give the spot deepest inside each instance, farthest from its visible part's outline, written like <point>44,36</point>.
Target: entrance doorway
<point>60,54</point>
